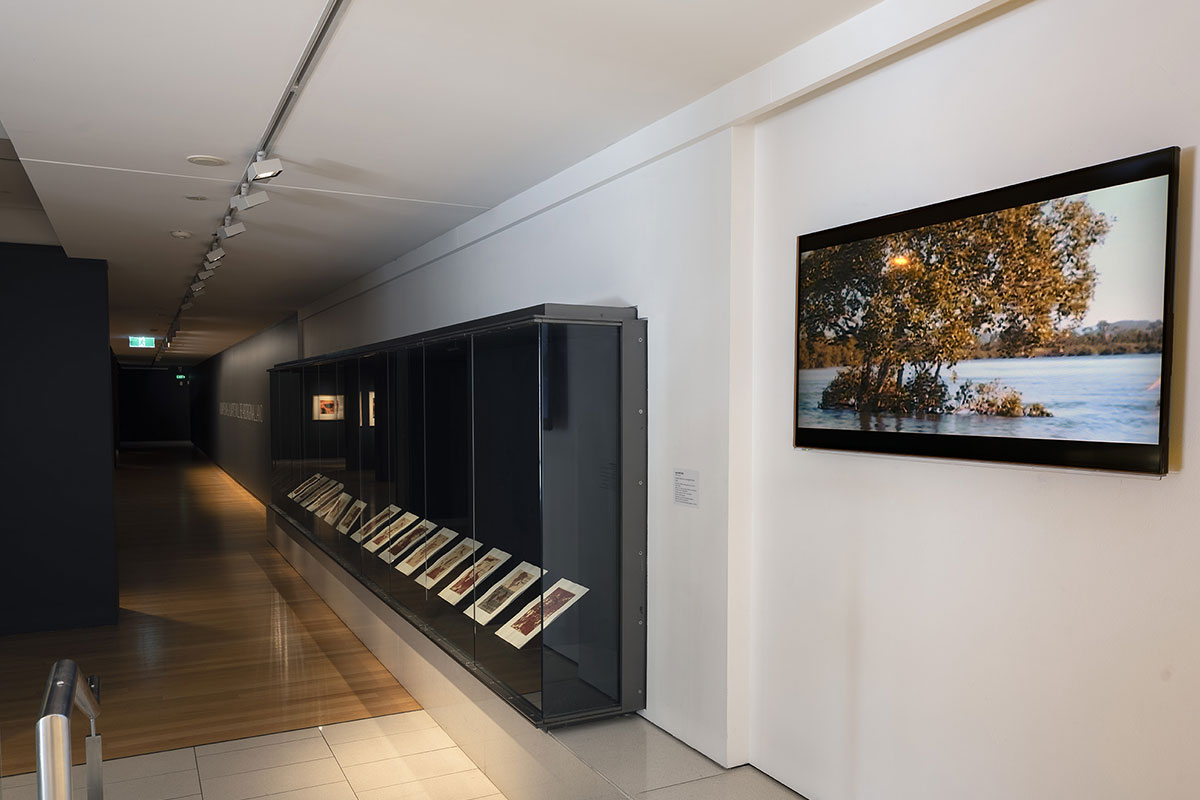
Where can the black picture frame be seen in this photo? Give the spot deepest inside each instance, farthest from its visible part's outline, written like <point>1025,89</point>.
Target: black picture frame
<point>1084,453</point>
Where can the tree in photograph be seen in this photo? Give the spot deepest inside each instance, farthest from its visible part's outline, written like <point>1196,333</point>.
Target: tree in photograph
<point>913,304</point>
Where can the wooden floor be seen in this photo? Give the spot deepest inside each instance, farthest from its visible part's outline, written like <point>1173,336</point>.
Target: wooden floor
<point>218,637</point>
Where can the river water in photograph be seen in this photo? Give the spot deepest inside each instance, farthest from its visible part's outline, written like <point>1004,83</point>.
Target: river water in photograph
<point>1092,398</point>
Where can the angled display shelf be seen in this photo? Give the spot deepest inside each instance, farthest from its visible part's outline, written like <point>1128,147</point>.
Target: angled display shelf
<point>487,481</point>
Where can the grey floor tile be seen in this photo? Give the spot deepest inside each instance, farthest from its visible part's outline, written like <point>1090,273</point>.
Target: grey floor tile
<point>13,781</point>
<point>350,754</point>
<point>232,762</point>
<point>257,741</point>
<point>124,769</point>
<point>636,755</point>
<point>393,771</point>
<point>20,791</point>
<point>245,785</point>
<point>376,727</point>
<point>332,791</point>
<point>744,783</point>
<point>468,785</point>
<point>169,786</point>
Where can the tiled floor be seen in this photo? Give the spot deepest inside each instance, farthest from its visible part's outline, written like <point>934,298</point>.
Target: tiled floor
<point>385,758</point>
<point>407,757</point>
<point>646,763</point>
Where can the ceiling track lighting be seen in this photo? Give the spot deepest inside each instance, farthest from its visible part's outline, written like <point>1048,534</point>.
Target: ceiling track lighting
<point>263,168</point>
<point>230,228</point>
<point>246,199</point>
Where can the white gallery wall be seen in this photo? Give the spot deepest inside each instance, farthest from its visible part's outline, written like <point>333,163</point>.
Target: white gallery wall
<point>864,626</point>
<point>943,630</point>
<point>659,239</point>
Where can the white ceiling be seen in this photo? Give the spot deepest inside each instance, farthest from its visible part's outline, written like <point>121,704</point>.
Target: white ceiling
<point>420,115</point>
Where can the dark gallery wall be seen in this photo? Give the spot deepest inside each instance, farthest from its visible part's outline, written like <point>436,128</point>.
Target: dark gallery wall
<point>230,403</point>
<point>58,557</point>
<point>153,405</point>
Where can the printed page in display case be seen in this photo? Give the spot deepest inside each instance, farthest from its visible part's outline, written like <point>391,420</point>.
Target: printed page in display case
<point>323,507</point>
<point>473,575</point>
<point>352,516</point>
<point>312,491</point>
<point>453,557</point>
<point>540,612</point>
<point>311,480</point>
<point>324,496</point>
<point>336,508</point>
<point>312,494</point>
<point>410,537</point>
<point>372,526</point>
<point>385,535</point>
<point>435,542</point>
<point>499,596</point>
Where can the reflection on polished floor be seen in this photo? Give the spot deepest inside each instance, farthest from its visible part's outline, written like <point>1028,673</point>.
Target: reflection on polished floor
<point>387,758</point>
<point>218,638</point>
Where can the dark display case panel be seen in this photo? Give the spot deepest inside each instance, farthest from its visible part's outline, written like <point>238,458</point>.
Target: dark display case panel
<point>488,482</point>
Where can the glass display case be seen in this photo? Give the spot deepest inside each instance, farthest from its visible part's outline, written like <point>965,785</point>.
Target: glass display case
<point>487,481</point>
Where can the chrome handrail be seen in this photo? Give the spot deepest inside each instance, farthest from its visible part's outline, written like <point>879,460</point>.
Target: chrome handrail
<point>66,689</point>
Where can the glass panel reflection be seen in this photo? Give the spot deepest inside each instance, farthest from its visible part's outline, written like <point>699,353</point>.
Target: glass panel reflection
<point>473,481</point>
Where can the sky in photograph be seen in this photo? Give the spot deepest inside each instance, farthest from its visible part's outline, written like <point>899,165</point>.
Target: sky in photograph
<point>1129,263</point>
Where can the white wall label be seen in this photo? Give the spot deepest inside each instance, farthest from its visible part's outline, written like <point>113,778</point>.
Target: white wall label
<point>687,487</point>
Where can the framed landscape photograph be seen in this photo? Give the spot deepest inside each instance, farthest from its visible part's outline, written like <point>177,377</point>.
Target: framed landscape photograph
<point>1028,324</point>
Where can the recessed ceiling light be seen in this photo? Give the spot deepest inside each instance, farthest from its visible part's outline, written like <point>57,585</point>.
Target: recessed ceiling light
<point>181,234</point>
<point>207,161</point>
<point>195,197</point>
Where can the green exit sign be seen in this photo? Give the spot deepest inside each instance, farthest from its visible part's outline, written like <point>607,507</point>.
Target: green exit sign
<point>141,341</point>
<point>181,377</point>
